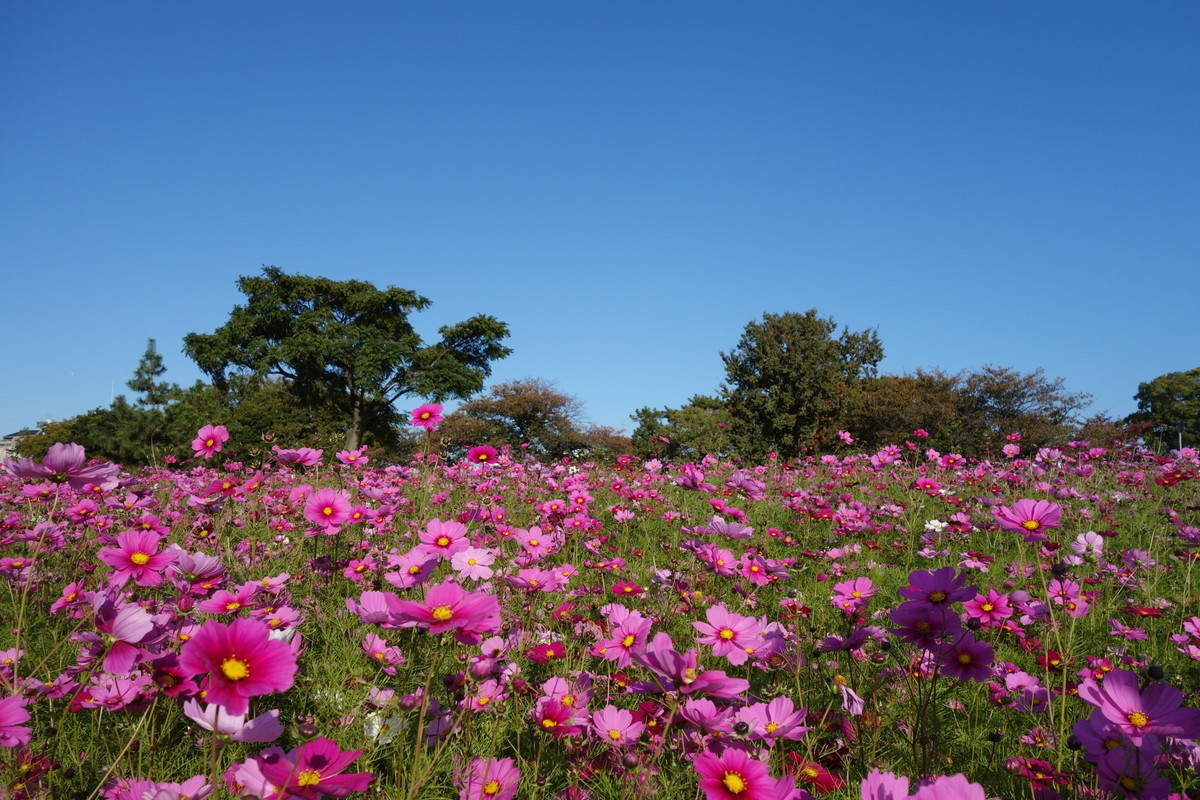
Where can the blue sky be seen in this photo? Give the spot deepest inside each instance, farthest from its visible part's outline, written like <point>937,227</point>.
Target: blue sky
<point>626,184</point>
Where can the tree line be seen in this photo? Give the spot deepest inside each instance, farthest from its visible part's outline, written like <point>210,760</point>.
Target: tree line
<point>308,361</point>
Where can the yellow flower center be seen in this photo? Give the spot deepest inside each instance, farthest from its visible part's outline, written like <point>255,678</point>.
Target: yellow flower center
<point>964,658</point>
<point>232,605</point>
<point>308,777</point>
<point>327,511</point>
<point>734,783</point>
<point>1128,783</point>
<point>472,562</point>
<point>483,701</point>
<point>937,597</point>
<point>442,541</point>
<point>987,607</point>
<point>614,734</point>
<point>209,442</point>
<point>628,640</point>
<point>772,727</point>
<point>726,634</point>
<point>442,613</point>
<point>491,787</point>
<point>1031,524</point>
<point>568,700</point>
<point>141,559</point>
<point>1137,719</point>
<point>548,723</point>
<point>235,669</point>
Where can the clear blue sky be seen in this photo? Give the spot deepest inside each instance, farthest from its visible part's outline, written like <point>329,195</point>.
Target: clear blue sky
<point>626,184</point>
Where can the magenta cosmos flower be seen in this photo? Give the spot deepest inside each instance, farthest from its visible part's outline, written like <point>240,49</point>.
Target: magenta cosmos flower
<point>314,770</point>
<point>734,775</point>
<point>241,660</point>
<point>489,779</point>
<point>938,587</point>
<point>1155,712</point>
<point>481,454</point>
<point>427,416</point>
<point>447,607</point>
<point>327,508</point>
<point>209,440</point>
<point>1030,517</point>
<point>136,556</point>
<point>12,713</point>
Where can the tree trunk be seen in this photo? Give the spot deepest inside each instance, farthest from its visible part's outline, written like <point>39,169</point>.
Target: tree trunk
<point>354,432</point>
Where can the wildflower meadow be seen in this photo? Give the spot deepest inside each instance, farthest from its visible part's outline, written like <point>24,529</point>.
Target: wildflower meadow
<point>891,624</point>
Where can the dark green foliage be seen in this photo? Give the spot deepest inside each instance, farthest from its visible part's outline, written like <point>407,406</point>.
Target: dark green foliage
<point>532,412</point>
<point>145,380</point>
<point>683,434</point>
<point>1172,403</point>
<point>969,413</point>
<point>790,381</point>
<point>346,346</point>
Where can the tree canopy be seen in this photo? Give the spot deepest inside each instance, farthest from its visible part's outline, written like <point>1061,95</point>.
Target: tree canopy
<point>530,412</point>
<point>790,380</point>
<point>1171,402</point>
<point>347,345</point>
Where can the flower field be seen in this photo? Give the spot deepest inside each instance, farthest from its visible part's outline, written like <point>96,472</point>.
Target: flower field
<point>896,624</point>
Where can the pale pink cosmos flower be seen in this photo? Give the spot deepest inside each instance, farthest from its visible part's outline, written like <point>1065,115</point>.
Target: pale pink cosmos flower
<point>616,726</point>
<point>353,457</point>
<point>301,456</point>
<point>265,727</point>
<point>473,563</point>
<point>442,539</point>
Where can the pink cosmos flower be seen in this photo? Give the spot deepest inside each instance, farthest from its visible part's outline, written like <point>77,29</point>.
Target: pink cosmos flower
<point>473,563</point>
<point>883,786</point>
<point>136,556</point>
<point>734,775</point>
<point>12,713</point>
<point>616,726</point>
<point>989,609</point>
<point>448,606</point>
<point>1155,712</point>
<point>302,456</point>
<point>427,416</point>
<point>209,440</point>
<point>851,595</point>
<point>327,508</point>
<point>442,539</point>
<point>352,457</point>
<point>949,787</point>
<point>64,463</point>
<point>681,672</point>
<point>314,770</point>
<point>489,779</point>
<point>241,660</point>
<point>728,633</point>
<point>1030,517</point>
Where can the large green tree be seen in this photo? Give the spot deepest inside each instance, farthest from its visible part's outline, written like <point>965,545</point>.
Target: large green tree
<point>791,380</point>
<point>1172,403</point>
<point>346,344</point>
